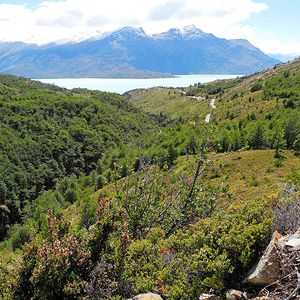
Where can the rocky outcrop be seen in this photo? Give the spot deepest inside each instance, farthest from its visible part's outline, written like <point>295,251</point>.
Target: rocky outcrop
<point>209,297</point>
<point>293,243</point>
<point>148,296</point>
<point>268,268</point>
<point>235,295</point>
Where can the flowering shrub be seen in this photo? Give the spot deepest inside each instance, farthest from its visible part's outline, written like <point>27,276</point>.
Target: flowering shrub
<point>109,241</point>
<point>63,265</point>
<point>53,267</point>
<point>7,274</point>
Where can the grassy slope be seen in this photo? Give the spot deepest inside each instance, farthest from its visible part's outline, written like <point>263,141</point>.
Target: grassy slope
<point>251,173</point>
<point>169,102</point>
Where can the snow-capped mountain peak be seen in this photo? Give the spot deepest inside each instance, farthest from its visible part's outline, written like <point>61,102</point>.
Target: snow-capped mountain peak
<point>171,34</point>
<point>128,33</point>
<point>191,32</point>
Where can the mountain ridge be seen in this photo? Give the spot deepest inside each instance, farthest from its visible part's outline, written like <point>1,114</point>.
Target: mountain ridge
<point>130,53</point>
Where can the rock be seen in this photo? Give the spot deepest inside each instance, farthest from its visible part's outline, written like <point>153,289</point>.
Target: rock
<point>148,296</point>
<point>209,297</point>
<point>234,295</point>
<point>293,242</point>
<point>268,268</point>
<point>247,295</point>
<point>282,241</point>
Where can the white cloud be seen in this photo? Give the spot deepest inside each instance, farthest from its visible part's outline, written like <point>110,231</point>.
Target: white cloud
<point>215,16</point>
<point>61,19</point>
<point>166,10</point>
<point>14,20</point>
<point>290,48</point>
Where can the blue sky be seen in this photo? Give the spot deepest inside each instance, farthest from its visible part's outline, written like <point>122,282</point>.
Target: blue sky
<point>271,25</point>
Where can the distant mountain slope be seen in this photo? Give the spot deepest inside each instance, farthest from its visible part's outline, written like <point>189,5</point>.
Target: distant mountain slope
<point>131,53</point>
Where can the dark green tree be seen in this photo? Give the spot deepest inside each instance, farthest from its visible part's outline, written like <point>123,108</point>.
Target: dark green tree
<point>256,137</point>
<point>100,182</point>
<point>172,155</point>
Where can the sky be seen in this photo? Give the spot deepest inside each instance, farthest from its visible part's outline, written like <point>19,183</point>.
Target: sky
<point>271,25</point>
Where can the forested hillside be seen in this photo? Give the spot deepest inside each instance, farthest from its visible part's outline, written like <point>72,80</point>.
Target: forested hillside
<point>104,196</point>
<point>48,133</point>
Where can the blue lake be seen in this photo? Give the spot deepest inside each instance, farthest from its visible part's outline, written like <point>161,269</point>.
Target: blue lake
<point>120,85</point>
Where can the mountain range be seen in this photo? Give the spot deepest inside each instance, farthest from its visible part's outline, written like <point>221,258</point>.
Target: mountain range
<point>131,53</point>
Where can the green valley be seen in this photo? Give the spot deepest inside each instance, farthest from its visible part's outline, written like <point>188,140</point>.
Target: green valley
<point>104,196</point>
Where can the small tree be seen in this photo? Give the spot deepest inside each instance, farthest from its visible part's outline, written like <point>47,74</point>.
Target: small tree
<point>279,140</point>
<point>100,167</point>
<point>172,155</point>
<point>71,195</point>
<point>100,182</point>
<point>256,137</point>
<point>296,144</point>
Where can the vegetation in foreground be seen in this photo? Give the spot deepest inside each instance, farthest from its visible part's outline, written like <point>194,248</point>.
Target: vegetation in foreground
<point>155,233</point>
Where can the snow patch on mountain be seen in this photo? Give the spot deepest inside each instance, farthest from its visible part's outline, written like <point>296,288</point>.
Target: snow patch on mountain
<point>73,39</point>
<point>171,34</point>
<point>190,32</point>
<point>128,33</point>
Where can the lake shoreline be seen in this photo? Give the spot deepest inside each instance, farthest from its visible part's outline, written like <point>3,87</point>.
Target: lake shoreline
<point>122,85</point>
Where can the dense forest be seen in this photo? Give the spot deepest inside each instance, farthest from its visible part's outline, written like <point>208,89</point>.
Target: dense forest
<point>104,196</point>
<point>49,133</point>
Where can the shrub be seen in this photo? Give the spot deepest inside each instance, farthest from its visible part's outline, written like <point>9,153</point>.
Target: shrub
<point>7,275</point>
<point>108,242</point>
<point>20,237</point>
<point>150,196</point>
<point>254,181</point>
<point>64,265</point>
<point>212,254</point>
<point>278,163</point>
<point>71,195</point>
<point>256,87</point>
<point>88,214</point>
<point>286,209</point>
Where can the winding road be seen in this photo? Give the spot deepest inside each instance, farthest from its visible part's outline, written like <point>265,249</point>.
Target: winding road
<point>212,104</point>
